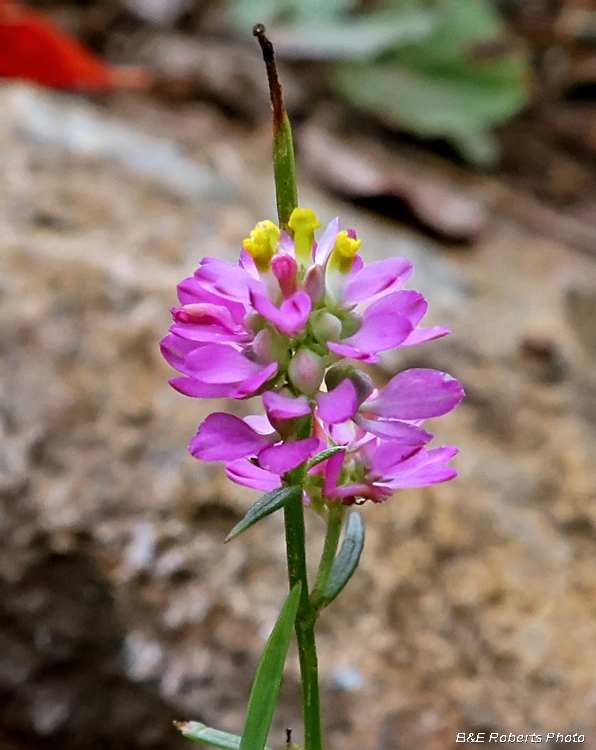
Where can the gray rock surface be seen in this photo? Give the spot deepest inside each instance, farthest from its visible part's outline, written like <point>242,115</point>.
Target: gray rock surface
<point>120,609</point>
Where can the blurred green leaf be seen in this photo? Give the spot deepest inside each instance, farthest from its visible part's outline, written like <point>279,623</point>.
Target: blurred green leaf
<point>245,13</point>
<point>347,558</point>
<point>352,38</point>
<point>456,84</point>
<point>265,506</point>
<point>265,689</point>
<point>194,730</point>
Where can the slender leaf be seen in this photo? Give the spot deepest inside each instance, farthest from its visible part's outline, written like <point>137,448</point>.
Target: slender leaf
<point>347,558</point>
<point>265,506</point>
<point>352,38</point>
<point>245,13</point>
<point>456,84</point>
<point>265,688</point>
<point>324,455</point>
<point>194,730</point>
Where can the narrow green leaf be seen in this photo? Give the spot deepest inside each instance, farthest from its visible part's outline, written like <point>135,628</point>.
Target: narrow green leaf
<point>245,13</point>
<point>265,506</point>
<point>347,558</point>
<point>194,730</point>
<point>456,84</point>
<point>324,455</point>
<point>265,688</point>
<point>362,38</point>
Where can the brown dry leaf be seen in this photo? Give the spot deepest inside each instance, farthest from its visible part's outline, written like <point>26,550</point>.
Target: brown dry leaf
<point>362,169</point>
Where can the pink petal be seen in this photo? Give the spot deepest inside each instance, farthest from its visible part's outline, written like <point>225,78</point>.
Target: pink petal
<point>327,242</point>
<point>224,437</point>
<point>389,459</point>
<point>333,467</point>
<point>259,423</point>
<point>314,284</point>
<point>206,334</point>
<point>406,302</point>
<point>284,457</point>
<point>420,335</point>
<point>175,351</point>
<point>377,279</point>
<point>365,490</point>
<point>248,264</point>
<point>286,243</point>
<point>338,405</point>
<point>191,291</point>
<point>380,331</point>
<point>247,474</point>
<point>285,270</point>
<point>417,394</point>
<point>225,279</point>
<point>220,363</point>
<point>342,434</point>
<point>282,407</point>
<point>196,389</point>
<point>252,384</point>
<point>429,471</point>
<point>352,352</point>
<point>401,432</point>
<point>290,318</point>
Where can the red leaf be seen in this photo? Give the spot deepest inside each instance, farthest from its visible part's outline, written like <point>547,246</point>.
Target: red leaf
<point>35,49</point>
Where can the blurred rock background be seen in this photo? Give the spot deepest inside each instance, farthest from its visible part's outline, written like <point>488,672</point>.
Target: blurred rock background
<point>474,608</point>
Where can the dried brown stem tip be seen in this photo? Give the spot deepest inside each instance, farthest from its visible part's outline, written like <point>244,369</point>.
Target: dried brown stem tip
<point>275,91</point>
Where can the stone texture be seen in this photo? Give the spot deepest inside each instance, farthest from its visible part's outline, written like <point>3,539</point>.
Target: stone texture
<point>120,609</point>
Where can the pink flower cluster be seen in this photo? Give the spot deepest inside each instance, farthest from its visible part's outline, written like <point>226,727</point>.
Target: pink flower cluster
<point>281,324</point>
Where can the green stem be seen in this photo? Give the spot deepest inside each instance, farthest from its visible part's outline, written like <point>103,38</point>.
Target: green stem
<point>305,624</point>
<point>334,524</point>
<point>284,163</point>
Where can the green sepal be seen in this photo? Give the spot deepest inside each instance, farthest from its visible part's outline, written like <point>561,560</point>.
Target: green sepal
<point>265,506</point>
<point>267,682</point>
<point>347,558</point>
<point>194,730</point>
<point>324,455</point>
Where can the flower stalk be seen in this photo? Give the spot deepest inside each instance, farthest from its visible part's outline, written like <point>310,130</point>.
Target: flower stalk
<point>284,325</point>
<point>284,163</point>
<point>335,516</point>
<point>304,625</point>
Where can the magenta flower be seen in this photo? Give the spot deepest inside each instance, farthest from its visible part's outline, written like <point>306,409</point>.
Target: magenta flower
<point>368,467</point>
<point>287,311</point>
<point>397,411</point>
<point>224,437</point>
<point>377,468</point>
<point>278,323</point>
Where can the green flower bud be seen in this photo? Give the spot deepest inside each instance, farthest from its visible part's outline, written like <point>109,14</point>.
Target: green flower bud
<point>306,371</point>
<point>325,326</point>
<point>361,381</point>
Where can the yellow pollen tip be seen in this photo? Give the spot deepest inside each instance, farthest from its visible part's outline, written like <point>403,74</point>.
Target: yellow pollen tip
<point>303,222</point>
<point>344,251</point>
<point>346,246</point>
<point>262,244</point>
<point>271,230</point>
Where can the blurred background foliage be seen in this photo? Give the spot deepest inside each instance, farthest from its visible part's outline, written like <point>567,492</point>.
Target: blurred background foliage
<point>440,69</point>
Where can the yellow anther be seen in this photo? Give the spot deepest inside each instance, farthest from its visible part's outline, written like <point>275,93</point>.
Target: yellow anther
<point>303,222</point>
<point>262,244</point>
<point>271,230</point>
<point>344,251</point>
